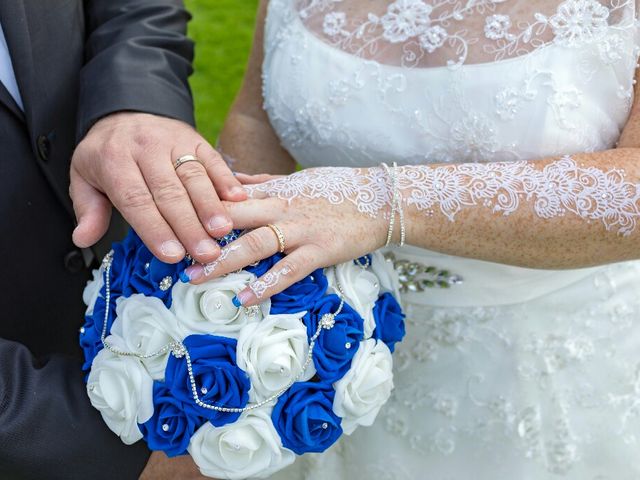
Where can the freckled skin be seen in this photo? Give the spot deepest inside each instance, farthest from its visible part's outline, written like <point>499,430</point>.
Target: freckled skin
<point>328,234</point>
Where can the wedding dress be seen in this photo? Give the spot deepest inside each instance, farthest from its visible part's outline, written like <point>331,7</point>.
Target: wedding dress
<point>511,372</point>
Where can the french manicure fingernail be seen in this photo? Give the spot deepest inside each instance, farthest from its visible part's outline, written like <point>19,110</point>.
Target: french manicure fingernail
<point>218,222</point>
<point>243,297</point>
<point>192,273</point>
<point>172,248</point>
<point>207,247</point>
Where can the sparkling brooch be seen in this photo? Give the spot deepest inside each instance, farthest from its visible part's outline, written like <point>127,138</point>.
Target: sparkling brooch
<point>417,277</point>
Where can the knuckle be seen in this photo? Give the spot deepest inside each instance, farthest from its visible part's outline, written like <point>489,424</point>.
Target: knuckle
<point>135,198</point>
<point>143,139</point>
<point>292,268</point>
<point>110,150</point>
<point>254,243</point>
<point>168,192</point>
<point>190,172</point>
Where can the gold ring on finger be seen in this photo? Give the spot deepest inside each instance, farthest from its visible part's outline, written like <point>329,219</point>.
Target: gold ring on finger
<point>281,241</point>
<point>185,159</point>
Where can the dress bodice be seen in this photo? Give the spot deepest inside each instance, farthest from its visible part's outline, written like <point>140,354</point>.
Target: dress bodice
<point>514,373</point>
<point>434,81</point>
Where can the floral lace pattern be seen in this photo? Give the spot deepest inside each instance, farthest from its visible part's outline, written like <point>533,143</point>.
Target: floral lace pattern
<point>532,389</point>
<point>558,70</point>
<point>422,27</point>
<point>559,188</point>
<point>509,392</point>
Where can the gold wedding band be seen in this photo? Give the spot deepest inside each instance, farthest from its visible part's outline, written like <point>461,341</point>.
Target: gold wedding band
<point>184,159</point>
<point>281,243</point>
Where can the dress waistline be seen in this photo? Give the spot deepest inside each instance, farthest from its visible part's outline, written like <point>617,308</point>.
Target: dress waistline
<point>481,283</point>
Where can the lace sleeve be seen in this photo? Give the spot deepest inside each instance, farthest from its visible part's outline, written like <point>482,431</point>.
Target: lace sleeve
<point>561,188</point>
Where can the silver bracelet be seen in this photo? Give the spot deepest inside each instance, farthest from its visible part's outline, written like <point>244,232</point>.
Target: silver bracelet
<point>396,205</point>
<point>398,199</point>
<point>392,215</point>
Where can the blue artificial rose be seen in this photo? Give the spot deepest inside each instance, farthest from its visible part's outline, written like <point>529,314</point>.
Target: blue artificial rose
<point>171,427</point>
<point>263,266</point>
<point>134,269</point>
<point>218,378</point>
<point>124,254</point>
<point>122,262</point>
<point>389,318</point>
<point>302,295</point>
<point>334,347</point>
<point>304,418</point>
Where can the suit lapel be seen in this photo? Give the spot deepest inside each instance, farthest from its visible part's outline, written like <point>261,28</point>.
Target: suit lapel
<point>16,30</point>
<point>10,103</point>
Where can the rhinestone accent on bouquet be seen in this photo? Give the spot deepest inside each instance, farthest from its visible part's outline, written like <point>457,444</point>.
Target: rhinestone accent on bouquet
<point>190,366</point>
<point>179,350</point>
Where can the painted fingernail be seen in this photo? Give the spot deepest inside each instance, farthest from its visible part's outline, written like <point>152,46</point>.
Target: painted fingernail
<point>219,222</point>
<point>243,297</point>
<point>207,247</point>
<point>172,248</point>
<point>192,273</point>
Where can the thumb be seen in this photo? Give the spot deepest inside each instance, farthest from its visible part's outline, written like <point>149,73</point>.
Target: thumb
<point>93,211</point>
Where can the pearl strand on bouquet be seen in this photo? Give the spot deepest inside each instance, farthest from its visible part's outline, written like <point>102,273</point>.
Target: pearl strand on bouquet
<point>179,350</point>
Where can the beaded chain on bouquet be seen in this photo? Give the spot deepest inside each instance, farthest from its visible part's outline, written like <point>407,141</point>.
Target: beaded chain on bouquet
<point>243,390</point>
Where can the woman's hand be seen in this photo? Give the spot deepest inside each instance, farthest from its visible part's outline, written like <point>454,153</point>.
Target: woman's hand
<point>320,216</point>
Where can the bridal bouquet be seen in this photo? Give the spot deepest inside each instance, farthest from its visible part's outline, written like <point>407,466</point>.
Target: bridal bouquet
<point>242,390</point>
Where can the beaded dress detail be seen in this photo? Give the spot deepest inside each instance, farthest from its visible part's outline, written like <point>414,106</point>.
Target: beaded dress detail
<point>509,372</point>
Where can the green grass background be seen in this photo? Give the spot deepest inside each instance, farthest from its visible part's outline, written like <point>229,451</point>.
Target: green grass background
<point>223,32</point>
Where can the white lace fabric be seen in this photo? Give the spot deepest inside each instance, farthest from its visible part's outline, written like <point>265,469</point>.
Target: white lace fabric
<point>566,89</point>
<point>431,33</point>
<point>516,373</point>
<point>561,187</point>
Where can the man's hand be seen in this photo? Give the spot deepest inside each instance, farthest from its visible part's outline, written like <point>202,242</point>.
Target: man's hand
<point>128,159</point>
<point>161,467</point>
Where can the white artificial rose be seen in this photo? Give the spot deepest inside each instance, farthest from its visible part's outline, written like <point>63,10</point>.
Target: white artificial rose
<point>144,325</point>
<point>386,273</point>
<point>208,308</point>
<point>122,391</point>
<point>92,290</point>
<point>366,387</point>
<point>247,448</point>
<point>273,353</point>
<point>361,289</point>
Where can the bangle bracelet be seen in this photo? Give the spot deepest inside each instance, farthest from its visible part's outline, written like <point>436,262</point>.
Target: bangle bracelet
<point>392,215</point>
<point>396,205</point>
<point>398,197</point>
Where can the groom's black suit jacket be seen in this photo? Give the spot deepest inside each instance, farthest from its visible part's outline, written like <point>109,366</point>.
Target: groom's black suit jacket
<point>75,62</point>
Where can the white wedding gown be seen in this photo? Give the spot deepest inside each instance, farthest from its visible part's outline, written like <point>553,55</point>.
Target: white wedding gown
<point>514,373</point>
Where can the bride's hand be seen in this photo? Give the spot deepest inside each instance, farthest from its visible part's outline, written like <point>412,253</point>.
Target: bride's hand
<point>320,223</point>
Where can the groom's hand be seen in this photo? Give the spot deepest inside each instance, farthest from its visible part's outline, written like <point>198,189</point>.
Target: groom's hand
<point>128,159</point>
<point>160,467</point>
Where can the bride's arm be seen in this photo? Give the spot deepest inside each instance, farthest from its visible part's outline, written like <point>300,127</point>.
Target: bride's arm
<point>554,213</point>
<point>247,138</point>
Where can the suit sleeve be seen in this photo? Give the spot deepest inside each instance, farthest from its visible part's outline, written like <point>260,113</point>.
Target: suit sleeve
<point>138,58</point>
<point>49,428</point>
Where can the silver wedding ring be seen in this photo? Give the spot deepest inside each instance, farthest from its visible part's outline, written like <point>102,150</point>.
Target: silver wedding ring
<point>185,159</point>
